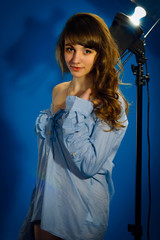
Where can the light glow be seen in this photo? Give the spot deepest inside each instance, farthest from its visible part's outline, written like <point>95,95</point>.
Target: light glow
<point>138,14</point>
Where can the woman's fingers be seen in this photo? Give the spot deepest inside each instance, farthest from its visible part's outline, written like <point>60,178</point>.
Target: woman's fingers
<point>86,95</point>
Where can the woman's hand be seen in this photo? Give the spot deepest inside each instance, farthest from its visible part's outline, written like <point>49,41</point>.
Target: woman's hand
<point>86,95</point>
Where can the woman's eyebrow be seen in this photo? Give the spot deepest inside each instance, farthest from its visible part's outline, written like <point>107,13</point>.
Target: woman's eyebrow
<point>68,44</point>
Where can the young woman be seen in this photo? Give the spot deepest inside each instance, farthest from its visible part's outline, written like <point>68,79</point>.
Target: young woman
<point>78,138</point>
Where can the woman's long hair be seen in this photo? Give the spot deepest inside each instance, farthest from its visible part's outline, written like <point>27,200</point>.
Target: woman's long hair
<point>90,31</point>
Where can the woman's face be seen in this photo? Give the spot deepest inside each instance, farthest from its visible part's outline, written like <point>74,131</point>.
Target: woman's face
<point>79,59</point>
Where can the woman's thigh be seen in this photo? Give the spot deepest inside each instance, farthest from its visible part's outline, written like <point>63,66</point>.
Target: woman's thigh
<point>43,235</point>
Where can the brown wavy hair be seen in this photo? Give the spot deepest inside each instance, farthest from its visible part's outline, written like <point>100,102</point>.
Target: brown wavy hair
<point>90,31</point>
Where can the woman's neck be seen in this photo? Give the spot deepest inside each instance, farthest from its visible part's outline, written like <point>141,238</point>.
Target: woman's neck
<point>79,85</point>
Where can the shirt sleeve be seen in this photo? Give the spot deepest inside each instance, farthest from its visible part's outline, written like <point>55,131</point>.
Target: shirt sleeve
<point>89,152</point>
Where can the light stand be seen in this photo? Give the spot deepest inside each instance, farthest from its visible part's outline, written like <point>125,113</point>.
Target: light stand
<point>121,29</point>
<point>136,229</point>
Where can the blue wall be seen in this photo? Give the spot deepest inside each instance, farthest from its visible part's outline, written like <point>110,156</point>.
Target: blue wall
<point>29,31</point>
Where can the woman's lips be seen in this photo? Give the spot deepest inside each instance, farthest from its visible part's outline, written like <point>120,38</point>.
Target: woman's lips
<point>76,68</point>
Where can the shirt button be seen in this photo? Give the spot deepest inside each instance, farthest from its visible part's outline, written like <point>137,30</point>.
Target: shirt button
<point>74,154</point>
<point>48,132</point>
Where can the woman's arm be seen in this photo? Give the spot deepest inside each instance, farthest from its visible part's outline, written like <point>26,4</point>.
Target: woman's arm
<point>89,153</point>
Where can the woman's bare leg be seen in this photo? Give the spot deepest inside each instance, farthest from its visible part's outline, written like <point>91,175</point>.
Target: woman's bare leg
<point>43,235</point>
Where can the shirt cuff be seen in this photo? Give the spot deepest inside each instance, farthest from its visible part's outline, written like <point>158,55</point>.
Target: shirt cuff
<point>76,104</point>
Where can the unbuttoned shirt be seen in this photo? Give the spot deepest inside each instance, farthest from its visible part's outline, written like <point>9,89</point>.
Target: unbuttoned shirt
<point>74,177</point>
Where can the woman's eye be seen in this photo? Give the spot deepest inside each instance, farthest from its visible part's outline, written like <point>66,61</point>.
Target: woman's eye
<point>87,51</point>
<point>69,49</point>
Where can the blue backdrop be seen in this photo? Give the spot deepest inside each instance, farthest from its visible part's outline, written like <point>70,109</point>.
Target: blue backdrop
<point>29,31</point>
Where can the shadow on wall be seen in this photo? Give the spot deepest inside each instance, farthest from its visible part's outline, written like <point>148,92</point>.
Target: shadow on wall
<point>34,46</point>
<point>10,172</point>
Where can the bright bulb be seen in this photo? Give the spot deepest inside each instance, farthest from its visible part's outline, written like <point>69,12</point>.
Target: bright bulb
<point>138,14</point>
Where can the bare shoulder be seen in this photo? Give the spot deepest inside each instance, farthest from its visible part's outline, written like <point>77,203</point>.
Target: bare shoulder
<point>59,89</point>
<point>59,96</point>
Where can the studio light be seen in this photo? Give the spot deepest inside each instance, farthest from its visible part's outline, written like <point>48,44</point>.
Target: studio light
<point>126,34</point>
<point>138,14</point>
<point>130,40</point>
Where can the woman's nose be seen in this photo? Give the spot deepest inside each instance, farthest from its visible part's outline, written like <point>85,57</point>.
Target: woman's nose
<point>76,57</point>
